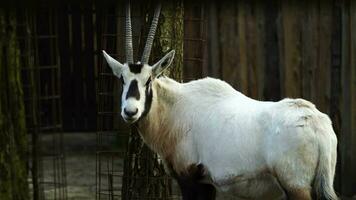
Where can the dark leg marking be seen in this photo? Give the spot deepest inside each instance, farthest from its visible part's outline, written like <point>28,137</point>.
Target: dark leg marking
<point>135,68</point>
<point>191,186</point>
<point>133,90</point>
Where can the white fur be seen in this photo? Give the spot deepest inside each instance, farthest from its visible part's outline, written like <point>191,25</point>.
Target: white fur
<point>240,140</point>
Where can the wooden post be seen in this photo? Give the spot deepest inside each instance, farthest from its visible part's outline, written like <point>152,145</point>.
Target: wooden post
<point>242,48</point>
<point>310,49</point>
<point>214,66</point>
<point>260,54</point>
<point>291,62</point>
<point>229,41</point>
<point>347,142</point>
<point>322,73</point>
<point>272,81</point>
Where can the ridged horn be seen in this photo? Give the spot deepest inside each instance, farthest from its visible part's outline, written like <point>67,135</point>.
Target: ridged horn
<point>128,34</point>
<point>151,35</point>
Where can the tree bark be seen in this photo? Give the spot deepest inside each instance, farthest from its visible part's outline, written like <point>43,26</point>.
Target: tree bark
<point>170,36</point>
<point>13,140</point>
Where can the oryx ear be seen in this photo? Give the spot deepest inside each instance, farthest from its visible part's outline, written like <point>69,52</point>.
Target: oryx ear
<point>115,65</point>
<point>162,64</point>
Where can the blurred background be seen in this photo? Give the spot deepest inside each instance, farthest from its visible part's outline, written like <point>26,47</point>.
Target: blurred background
<point>61,135</point>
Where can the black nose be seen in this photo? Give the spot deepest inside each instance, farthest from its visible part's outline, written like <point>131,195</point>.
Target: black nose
<point>130,113</point>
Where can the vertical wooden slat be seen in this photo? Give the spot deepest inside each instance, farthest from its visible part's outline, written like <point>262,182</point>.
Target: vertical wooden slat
<point>272,81</point>
<point>291,64</point>
<point>281,56</point>
<point>251,47</point>
<point>310,32</point>
<point>255,43</point>
<point>353,100</point>
<point>348,135</point>
<point>322,73</point>
<point>335,87</point>
<point>260,48</point>
<point>228,39</point>
<point>242,64</point>
<point>213,57</point>
<point>345,127</point>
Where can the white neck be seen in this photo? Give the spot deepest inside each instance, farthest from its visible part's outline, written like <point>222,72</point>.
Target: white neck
<point>157,128</point>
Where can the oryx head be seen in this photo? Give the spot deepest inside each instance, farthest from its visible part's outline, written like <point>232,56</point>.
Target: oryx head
<point>137,77</point>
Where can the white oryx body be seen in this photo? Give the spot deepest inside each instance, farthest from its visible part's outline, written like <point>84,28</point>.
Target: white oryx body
<point>212,136</point>
<point>238,139</point>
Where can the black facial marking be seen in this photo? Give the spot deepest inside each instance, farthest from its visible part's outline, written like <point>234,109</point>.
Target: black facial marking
<point>122,80</point>
<point>148,102</point>
<point>191,184</point>
<point>133,90</point>
<point>148,82</point>
<point>122,85</point>
<point>135,68</point>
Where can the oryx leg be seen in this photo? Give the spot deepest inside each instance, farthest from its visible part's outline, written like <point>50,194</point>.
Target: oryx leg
<point>197,191</point>
<point>296,179</point>
<point>192,187</point>
<point>299,194</point>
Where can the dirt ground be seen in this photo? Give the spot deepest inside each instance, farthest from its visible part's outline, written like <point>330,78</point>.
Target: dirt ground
<point>81,176</point>
<point>80,161</point>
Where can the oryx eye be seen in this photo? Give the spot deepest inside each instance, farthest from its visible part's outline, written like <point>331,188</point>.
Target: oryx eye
<point>148,81</point>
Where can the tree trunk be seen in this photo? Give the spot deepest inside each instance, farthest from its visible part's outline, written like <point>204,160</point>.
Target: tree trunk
<point>13,140</point>
<point>170,35</point>
<point>144,176</point>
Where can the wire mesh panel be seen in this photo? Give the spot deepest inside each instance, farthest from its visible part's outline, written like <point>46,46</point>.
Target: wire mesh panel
<point>41,83</point>
<point>54,177</point>
<point>111,136</point>
<point>194,41</point>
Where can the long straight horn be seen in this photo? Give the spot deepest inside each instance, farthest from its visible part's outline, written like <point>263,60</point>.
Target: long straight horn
<point>128,34</point>
<point>151,35</point>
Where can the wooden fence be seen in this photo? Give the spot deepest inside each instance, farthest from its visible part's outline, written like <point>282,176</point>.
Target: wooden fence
<point>277,49</point>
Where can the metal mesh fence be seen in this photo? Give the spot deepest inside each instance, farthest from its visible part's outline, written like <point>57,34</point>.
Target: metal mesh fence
<point>41,85</point>
<point>109,156</point>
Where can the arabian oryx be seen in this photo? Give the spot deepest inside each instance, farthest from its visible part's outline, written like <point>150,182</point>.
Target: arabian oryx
<point>213,138</point>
